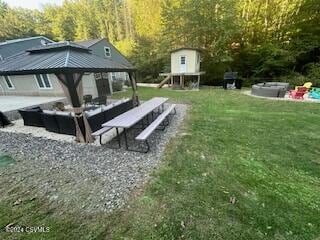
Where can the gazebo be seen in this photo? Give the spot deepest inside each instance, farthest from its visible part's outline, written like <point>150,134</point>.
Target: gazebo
<point>68,61</point>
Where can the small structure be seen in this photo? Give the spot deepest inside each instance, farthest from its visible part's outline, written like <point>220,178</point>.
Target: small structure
<point>185,69</point>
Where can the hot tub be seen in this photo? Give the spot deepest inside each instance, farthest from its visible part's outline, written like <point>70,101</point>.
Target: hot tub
<point>270,89</point>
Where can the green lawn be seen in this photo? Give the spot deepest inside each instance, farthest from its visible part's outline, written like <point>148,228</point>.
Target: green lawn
<point>264,153</point>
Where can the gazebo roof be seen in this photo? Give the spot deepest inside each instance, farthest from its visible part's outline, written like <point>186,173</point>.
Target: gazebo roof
<point>62,57</point>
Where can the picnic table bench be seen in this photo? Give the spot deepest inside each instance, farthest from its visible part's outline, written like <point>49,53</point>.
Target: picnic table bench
<point>143,136</point>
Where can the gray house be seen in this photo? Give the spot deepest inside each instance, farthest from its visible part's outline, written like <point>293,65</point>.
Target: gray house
<point>105,49</point>
<point>48,84</point>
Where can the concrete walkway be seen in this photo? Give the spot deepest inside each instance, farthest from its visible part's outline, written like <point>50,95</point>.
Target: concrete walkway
<point>10,103</point>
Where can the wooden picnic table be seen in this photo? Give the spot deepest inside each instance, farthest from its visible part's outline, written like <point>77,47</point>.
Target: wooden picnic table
<point>135,115</point>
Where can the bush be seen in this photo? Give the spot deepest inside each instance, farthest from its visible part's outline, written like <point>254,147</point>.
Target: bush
<point>127,83</point>
<point>313,73</point>
<point>117,86</point>
<point>295,79</point>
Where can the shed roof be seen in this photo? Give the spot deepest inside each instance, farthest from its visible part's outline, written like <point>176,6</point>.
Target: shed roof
<point>60,57</point>
<point>186,48</point>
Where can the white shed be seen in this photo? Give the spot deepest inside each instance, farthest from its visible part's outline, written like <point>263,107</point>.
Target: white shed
<point>185,69</point>
<point>185,60</point>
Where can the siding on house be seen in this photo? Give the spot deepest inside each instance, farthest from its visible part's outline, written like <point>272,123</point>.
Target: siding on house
<point>98,46</point>
<point>26,85</point>
<point>192,60</point>
<point>89,85</point>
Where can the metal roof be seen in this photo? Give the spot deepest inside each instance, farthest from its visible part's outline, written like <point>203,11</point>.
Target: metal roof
<point>58,45</point>
<point>59,58</point>
<point>12,47</point>
<point>23,40</point>
<point>186,48</point>
<point>89,43</point>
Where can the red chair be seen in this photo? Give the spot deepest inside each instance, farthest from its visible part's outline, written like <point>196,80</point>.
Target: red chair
<point>298,94</point>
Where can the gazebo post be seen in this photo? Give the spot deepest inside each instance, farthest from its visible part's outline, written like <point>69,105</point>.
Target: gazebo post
<point>72,89</point>
<point>135,97</point>
<point>71,84</point>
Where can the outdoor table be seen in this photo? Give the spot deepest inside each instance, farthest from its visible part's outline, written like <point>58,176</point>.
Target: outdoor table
<point>133,116</point>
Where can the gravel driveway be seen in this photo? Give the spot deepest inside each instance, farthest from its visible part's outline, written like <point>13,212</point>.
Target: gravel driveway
<point>87,177</point>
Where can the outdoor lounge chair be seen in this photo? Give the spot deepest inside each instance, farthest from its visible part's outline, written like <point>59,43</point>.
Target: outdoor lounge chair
<point>298,94</point>
<point>59,122</point>
<point>95,119</point>
<point>49,121</point>
<point>307,85</point>
<point>32,116</point>
<point>315,93</point>
<point>66,123</point>
<point>101,115</point>
<point>4,120</point>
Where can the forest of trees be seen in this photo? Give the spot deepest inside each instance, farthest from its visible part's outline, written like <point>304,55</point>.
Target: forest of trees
<point>257,38</point>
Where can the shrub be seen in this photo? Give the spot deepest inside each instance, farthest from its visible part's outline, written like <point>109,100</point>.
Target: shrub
<point>313,73</point>
<point>127,83</point>
<point>117,86</point>
<point>294,78</point>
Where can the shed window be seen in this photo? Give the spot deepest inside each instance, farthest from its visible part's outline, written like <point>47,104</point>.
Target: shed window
<point>183,60</point>
<point>107,52</point>
<point>8,82</point>
<point>43,81</point>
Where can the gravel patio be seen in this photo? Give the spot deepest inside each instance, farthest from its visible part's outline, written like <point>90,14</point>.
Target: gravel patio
<point>87,177</point>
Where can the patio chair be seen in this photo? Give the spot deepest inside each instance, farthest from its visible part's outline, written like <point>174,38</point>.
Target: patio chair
<point>315,93</point>
<point>307,85</point>
<point>101,100</point>
<point>299,93</point>
<point>87,99</point>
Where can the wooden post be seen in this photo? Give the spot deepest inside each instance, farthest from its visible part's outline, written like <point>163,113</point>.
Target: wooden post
<point>71,84</point>
<point>199,81</point>
<point>181,81</point>
<point>72,89</point>
<point>135,97</point>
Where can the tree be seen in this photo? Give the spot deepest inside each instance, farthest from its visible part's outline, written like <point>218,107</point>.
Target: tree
<point>16,23</point>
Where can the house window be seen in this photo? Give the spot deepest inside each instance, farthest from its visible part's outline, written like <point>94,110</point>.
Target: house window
<point>8,82</point>
<point>43,81</point>
<point>113,76</point>
<point>107,52</point>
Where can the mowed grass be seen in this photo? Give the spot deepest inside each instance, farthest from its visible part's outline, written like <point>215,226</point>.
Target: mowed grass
<point>264,154</point>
